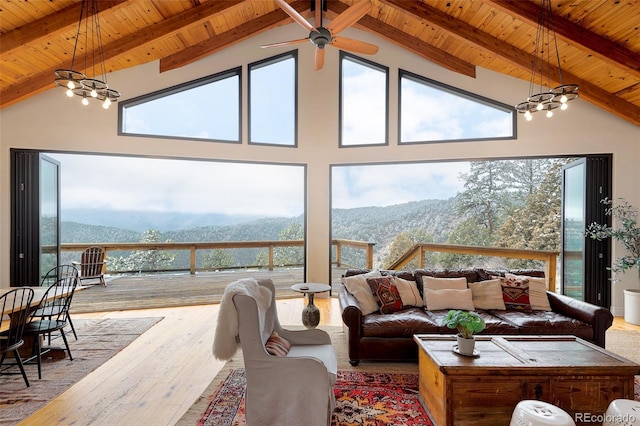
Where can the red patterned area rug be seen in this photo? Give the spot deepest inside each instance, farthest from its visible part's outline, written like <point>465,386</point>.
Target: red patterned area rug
<point>370,399</point>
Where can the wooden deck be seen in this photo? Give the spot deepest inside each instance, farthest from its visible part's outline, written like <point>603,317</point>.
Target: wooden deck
<point>173,290</point>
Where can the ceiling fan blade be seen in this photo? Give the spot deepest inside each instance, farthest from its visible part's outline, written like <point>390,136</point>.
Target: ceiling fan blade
<point>285,43</point>
<point>319,59</point>
<point>349,16</point>
<point>354,45</point>
<point>295,15</point>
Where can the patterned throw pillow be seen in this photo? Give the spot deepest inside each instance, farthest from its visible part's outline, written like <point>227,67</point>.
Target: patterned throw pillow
<point>386,294</point>
<point>515,293</point>
<point>277,346</point>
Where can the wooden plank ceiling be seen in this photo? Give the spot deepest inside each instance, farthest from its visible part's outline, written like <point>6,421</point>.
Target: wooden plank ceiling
<point>599,40</point>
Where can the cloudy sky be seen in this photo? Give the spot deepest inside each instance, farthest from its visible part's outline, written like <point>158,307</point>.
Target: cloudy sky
<point>127,183</point>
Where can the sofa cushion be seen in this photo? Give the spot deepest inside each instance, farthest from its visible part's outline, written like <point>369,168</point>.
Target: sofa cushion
<point>404,323</point>
<point>537,291</point>
<point>487,294</point>
<point>546,323</point>
<point>493,324</point>
<point>358,286</point>
<point>409,293</point>
<point>386,294</point>
<point>515,294</point>
<point>448,299</point>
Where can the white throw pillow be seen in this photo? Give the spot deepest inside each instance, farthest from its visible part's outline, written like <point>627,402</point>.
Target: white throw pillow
<point>487,294</point>
<point>537,292</point>
<point>448,299</point>
<point>433,283</point>
<point>408,292</point>
<point>358,286</point>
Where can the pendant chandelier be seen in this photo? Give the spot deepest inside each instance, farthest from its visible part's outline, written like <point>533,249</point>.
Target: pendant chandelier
<point>77,83</point>
<point>541,96</point>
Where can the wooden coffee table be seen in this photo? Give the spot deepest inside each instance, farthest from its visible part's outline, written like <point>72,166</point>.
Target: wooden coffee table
<point>575,375</point>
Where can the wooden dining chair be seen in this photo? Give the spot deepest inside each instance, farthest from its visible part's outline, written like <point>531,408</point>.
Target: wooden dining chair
<point>60,275</point>
<point>15,313</point>
<point>91,266</point>
<point>58,298</point>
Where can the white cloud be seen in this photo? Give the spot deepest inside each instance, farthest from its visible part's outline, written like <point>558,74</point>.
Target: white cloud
<point>383,185</point>
<point>127,183</point>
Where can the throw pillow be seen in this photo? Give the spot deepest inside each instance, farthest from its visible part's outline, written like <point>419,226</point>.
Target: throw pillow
<point>515,293</point>
<point>386,294</point>
<point>537,292</point>
<point>357,285</point>
<point>408,292</point>
<point>448,299</point>
<point>433,283</point>
<point>277,345</point>
<point>487,294</point>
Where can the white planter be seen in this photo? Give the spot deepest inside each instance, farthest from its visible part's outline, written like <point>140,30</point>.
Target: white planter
<point>632,306</point>
<point>466,346</point>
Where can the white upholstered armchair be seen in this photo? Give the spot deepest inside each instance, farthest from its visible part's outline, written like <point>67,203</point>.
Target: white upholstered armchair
<point>295,389</point>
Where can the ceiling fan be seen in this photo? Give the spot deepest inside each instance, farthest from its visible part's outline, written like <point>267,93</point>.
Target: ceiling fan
<point>322,36</point>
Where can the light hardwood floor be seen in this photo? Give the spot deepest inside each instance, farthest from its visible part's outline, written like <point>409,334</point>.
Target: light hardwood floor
<point>155,379</point>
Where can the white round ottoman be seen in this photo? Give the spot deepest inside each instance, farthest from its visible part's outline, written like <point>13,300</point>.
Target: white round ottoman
<point>539,413</point>
<point>622,412</point>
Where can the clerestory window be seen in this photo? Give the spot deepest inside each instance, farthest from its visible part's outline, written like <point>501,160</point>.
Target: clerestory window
<point>205,109</point>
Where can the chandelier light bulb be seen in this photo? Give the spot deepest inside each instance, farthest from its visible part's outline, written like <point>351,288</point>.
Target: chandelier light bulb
<point>94,93</point>
<point>564,106</point>
<point>563,99</point>
<point>85,101</point>
<point>539,106</point>
<point>70,93</point>
<point>549,113</point>
<point>528,115</point>
<point>106,103</point>
<point>71,85</point>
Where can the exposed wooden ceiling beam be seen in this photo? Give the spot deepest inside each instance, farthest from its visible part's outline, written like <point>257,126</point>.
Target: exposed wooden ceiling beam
<point>573,33</point>
<point>44,80</point>
<point>407,42</point>
<point>515,56</point>
<point>50,25</point>
<point>221,41</point>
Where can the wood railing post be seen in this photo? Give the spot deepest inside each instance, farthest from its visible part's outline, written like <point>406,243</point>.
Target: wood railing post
<point>369,256</point>
<point>271,258</point>
<point>338,254</point>
<point>192,261</point>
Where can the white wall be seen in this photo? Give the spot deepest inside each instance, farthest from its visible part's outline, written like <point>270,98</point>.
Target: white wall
<point>51,121</point>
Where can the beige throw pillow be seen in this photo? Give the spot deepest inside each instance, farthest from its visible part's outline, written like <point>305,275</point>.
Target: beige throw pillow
<point>433,283</point>
<point>487,294</point>
<point>358,286</point>
<point>537,291</point>
<point>408,292</point>
<point>448,299</point>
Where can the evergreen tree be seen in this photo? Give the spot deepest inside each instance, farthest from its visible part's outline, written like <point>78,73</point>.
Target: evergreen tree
<point>218,258</point>
<point>285,255</point>
<point>144,260</point>
<point>467,233</point>
<point>404,241</point>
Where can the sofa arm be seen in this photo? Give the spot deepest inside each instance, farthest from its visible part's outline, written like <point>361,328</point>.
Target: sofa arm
<point>600,318</point>
<point>351,312</point>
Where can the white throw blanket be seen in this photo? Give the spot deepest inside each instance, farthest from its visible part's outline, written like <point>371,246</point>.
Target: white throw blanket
<point>225,342</point>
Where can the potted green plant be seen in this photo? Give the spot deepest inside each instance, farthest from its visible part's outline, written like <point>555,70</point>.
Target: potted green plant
<point>467,323</point>
<point>626,232</point>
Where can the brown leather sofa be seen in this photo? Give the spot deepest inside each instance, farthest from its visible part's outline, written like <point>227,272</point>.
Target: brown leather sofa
<point>389,337</point>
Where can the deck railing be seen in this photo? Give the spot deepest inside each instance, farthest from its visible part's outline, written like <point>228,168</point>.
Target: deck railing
<point>419,250</point>
<point>193,248</point>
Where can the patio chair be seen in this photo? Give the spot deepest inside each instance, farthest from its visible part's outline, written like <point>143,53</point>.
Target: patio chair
<point>57,298</point>
<point>305,375</point>
<point>91,266</point>
<point>15,312</point>
<point>62,275</point>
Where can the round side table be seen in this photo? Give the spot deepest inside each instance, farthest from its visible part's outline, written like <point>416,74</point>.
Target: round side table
<point>311,313</point>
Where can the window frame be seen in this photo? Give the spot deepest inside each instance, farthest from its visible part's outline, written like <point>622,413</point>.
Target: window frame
<point>233,72</point>
<point>364,62</point>
<point>456,92</point>
<point>264,63</point>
